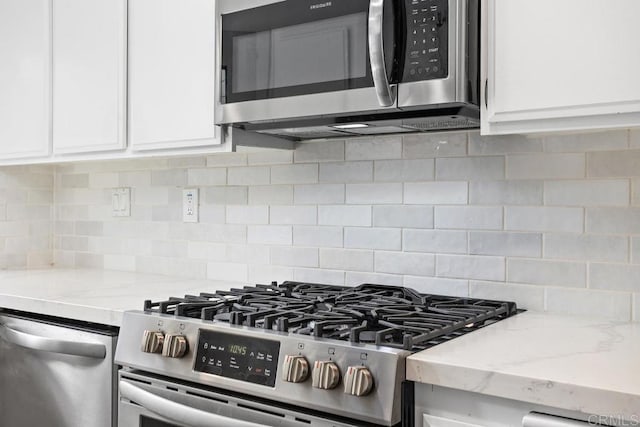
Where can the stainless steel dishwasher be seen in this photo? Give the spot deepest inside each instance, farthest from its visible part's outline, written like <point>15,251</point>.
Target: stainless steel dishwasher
<point>56,372</point>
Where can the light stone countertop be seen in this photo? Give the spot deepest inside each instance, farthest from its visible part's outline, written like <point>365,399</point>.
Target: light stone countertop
<point>98,296</point>
<point>578,364</point>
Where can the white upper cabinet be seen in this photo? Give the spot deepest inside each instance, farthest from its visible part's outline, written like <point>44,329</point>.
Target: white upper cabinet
<point>171,74</point>
<point>562,65</point>
<point>25,86</point>
<point>89,75</point>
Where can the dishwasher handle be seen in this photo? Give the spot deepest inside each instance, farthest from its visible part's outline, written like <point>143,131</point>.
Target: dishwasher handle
<point>177,412</point>
<point>534,419</point>
<point>35,342</point>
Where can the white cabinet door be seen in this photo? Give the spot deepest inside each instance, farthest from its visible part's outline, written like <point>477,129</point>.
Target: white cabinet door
<point>25,85</point>
<point>560,65</point>
<point>89,75</point>
<point>171,73</point>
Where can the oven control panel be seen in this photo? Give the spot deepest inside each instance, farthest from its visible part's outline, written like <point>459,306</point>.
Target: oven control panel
<point>254,360</point>
<point>427,45</point>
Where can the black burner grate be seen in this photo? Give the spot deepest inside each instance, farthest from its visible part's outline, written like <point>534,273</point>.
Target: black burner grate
<point>374,314</point>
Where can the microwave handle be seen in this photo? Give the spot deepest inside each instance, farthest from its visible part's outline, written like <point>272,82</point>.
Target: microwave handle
<point>384,91</point>
<point>34,342</point>
<point>177,412</point>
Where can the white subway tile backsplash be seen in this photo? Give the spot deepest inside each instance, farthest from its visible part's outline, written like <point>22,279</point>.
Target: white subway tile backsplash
<point>270,234</point>
<point>613,220</point>
<point>403,216</point>
<point>546,166</point>
<point>470,267</point>
<point>431,145</point>
<point>435,241</point>
<point>587,193</point>
<point>318,236</point>
<point>508,144</point>
<point>592,141</point>
<point>372,238</point>
<point>269,273</point>
<point>346,172</point>
<point>505,244</point>
<point>271,195</point>
<point>319,275</point>
<point>256,254</point>
<point>559,219</point>
<point>373,149</point>
<point>405,263</point>
<point>170,178</point>
<point>404,170</point>
<point>227,271</point>
<point>294,215</point>
<point>224,195</point>
<point>244,214</point>
<point>547,273</point>
<point>326,151</point>
<point>579,302</point>
<point>634,138</point>
<point>319,194</point>
<point>346,259</point>
<point>614,164</point>
<point>436,193</point>
<point>135,179</point>
<point>586,247</point>
<point>438,285</point>
<point>294,257</point>
<point>270,157</point>
<point>207,176</point>
<point>294,174</point>
<point>470,168</point>
<point>345,215</point>
<point>206,251</point>
<point>635,250</point>
<point>468,217</point>
<point>374,193</point>
<point>227,159</point>
<point>614,277</point>
<point>254,175</point>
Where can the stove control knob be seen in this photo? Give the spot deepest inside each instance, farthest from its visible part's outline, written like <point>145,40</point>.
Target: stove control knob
<point>296,369</point>
<point>358,381</point>
<point>326,375</point>
<point>175,346</point>
<point>152,341</point>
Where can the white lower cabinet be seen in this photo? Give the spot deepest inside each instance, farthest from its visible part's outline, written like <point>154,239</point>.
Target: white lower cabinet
<point>560,65</point>
<point>171,74</point>
<point>89,75</point>
<point>25,78</point>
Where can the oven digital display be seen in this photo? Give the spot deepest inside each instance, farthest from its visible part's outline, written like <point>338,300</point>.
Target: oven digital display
<point>242,358</point>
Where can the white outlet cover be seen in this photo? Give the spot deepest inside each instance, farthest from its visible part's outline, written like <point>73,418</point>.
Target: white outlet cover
<point>190,204</point>
<point>121,202</point>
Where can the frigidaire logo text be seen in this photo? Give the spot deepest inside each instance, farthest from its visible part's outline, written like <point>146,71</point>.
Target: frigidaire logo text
<point>321,5</point>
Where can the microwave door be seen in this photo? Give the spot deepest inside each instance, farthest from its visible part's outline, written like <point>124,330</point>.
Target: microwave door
<point>295,59</point>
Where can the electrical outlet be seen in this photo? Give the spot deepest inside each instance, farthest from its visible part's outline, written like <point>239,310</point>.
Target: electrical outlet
<point>121,202</point>
<point>190,204</point>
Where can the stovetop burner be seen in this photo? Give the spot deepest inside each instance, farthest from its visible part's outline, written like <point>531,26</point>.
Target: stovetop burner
<point>374,314</point>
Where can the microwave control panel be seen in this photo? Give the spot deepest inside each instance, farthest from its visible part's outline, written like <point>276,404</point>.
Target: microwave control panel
<point>427,44</point>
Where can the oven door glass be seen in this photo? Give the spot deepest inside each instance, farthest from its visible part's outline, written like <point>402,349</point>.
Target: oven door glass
<point>295,47</point>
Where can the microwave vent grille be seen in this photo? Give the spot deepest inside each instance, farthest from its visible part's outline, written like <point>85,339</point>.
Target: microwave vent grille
<point>435,123</point>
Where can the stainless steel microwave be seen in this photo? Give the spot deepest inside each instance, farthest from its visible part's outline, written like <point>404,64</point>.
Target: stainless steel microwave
<point>307,69</point>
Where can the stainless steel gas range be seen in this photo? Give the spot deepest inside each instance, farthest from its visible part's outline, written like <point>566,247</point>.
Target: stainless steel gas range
<point>294,354</point>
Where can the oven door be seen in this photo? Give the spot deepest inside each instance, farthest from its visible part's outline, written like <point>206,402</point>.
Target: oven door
<point>152,401</point>
<point>304,58</point>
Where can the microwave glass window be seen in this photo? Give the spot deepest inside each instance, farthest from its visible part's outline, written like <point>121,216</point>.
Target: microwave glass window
<point>329,50</point>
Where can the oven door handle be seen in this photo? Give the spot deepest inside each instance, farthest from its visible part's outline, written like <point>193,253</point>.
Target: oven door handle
<point>35,342</point>
<point>384,90</point>
<point>177,412</point>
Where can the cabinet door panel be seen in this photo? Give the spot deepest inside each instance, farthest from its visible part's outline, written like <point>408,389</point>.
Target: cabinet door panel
<point>171,73</point>
<point>89,75</point>
<point>561,65</point>
<point>25,85</point>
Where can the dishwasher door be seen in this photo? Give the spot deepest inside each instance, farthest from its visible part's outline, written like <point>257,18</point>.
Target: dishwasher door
<point>55,374</point>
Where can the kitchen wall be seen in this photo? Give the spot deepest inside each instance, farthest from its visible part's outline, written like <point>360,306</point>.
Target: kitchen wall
<point>26,198</point>
<point>551,222</point>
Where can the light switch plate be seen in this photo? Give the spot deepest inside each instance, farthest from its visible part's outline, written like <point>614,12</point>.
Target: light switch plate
<point>190,203</point>
<point>121,202</point>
